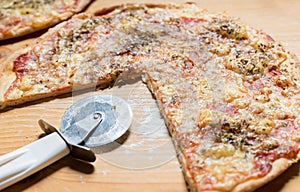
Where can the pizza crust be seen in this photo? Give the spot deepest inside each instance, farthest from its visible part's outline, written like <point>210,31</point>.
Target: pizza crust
<point>187,175</point>
<point>7,77</point>
<point>30,29</point>
<point>279,166</point>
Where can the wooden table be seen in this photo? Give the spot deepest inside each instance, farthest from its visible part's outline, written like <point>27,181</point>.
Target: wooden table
<point>158,168</point>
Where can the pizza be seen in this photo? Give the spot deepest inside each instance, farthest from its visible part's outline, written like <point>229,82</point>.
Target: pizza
<point>229,93</point>
<point>20,17</point>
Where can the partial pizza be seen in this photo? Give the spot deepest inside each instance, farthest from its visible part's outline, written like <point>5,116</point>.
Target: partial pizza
<point>229,93</point>
<point>21,17</point>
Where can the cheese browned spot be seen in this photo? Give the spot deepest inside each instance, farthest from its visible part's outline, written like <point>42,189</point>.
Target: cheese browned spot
<point>228,100</point>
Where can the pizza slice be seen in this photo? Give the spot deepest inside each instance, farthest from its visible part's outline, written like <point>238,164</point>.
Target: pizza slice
<point>229,93</point>
<point>21,17</point>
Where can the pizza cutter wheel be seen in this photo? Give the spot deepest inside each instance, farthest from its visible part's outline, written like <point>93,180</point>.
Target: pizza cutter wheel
<point>92,121</point>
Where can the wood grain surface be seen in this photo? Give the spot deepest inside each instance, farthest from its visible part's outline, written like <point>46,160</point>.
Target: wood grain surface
<point>144,158</point>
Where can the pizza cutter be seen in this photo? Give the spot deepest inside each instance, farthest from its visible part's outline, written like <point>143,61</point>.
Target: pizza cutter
<point>92,121</point>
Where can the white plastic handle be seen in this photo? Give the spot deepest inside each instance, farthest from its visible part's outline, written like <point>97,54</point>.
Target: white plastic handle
<point>31,158</point>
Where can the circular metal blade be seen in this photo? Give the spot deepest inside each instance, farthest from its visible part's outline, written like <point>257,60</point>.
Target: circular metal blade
<point>79,124</point>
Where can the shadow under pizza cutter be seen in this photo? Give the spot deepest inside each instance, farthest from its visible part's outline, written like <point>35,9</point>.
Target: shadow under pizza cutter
<point>92,121</point>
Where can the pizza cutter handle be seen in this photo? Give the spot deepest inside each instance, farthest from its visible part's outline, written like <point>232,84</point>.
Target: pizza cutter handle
<point>31,158</point>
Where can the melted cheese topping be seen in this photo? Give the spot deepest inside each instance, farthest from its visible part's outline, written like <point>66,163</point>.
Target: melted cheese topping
<point>16,15</point>
<point>228,102</point>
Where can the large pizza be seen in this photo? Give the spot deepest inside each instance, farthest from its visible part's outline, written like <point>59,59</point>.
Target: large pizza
<point>229,93</point>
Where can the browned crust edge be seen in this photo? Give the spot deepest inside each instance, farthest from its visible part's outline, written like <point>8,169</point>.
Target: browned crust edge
<point>278,167</point>
<point>104,83</point>
<point>186,173</point>
<point>127,6</point>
